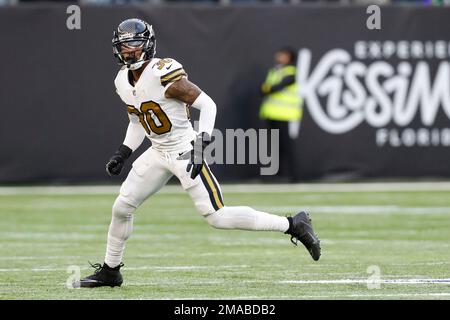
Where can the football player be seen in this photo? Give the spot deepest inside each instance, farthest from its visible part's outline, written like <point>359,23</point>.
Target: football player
<point>157,93</point>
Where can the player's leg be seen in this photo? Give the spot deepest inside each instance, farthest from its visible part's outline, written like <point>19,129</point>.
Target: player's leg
<point>147,176</point>
<point>207,196</point>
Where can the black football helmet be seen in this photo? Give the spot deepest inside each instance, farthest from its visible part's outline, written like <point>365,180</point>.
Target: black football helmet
<point>134,34</point>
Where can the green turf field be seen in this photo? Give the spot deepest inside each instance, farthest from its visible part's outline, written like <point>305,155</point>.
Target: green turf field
<point>175,254</point>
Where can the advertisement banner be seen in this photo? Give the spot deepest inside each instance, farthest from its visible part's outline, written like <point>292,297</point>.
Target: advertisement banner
<point>376,101</point>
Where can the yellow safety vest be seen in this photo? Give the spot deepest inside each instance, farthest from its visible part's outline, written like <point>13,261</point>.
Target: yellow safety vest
<point>283,105</point>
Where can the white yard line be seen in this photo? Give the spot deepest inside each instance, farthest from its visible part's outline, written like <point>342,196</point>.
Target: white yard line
<point>156,268</point>
<point>244,188</point>
<point>175,283</point>
<point>411,281</point>
<point>366,281</point>
<point>177,268</point>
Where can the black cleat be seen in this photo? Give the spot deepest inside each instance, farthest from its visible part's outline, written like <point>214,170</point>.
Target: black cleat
<point>104,276</point>
<point>301,229</point>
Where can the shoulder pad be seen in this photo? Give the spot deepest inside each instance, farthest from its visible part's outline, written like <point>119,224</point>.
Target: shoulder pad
<point>168,70</point>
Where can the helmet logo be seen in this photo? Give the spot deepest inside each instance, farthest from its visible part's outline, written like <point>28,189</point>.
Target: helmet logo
<point>124,36</point>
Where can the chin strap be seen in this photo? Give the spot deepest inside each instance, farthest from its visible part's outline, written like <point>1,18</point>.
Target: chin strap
<point>136,65</point>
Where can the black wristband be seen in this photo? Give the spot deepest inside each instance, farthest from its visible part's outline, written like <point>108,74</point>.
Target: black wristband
<point>124,151</point>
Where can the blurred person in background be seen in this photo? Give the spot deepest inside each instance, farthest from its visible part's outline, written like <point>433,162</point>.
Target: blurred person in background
<point>282,108</point>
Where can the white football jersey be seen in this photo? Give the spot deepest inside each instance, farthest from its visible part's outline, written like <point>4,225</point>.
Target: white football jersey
<point>165,120</point>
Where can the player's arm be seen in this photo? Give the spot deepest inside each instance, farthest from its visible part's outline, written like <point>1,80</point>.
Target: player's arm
<point>189,93</point>
<point>135,133</point>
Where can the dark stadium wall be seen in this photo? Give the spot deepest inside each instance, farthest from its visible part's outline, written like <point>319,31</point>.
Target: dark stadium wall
<point>61,118</point>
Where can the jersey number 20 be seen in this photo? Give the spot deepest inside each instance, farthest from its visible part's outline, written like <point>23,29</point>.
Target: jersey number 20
<point>145,117</point>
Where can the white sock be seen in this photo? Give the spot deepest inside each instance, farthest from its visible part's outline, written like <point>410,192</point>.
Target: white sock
<point>120,230</point>
<point>246,218</point>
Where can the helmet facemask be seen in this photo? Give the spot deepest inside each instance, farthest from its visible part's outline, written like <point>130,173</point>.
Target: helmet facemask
<point>134,43</point>
<point>132,53</point>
